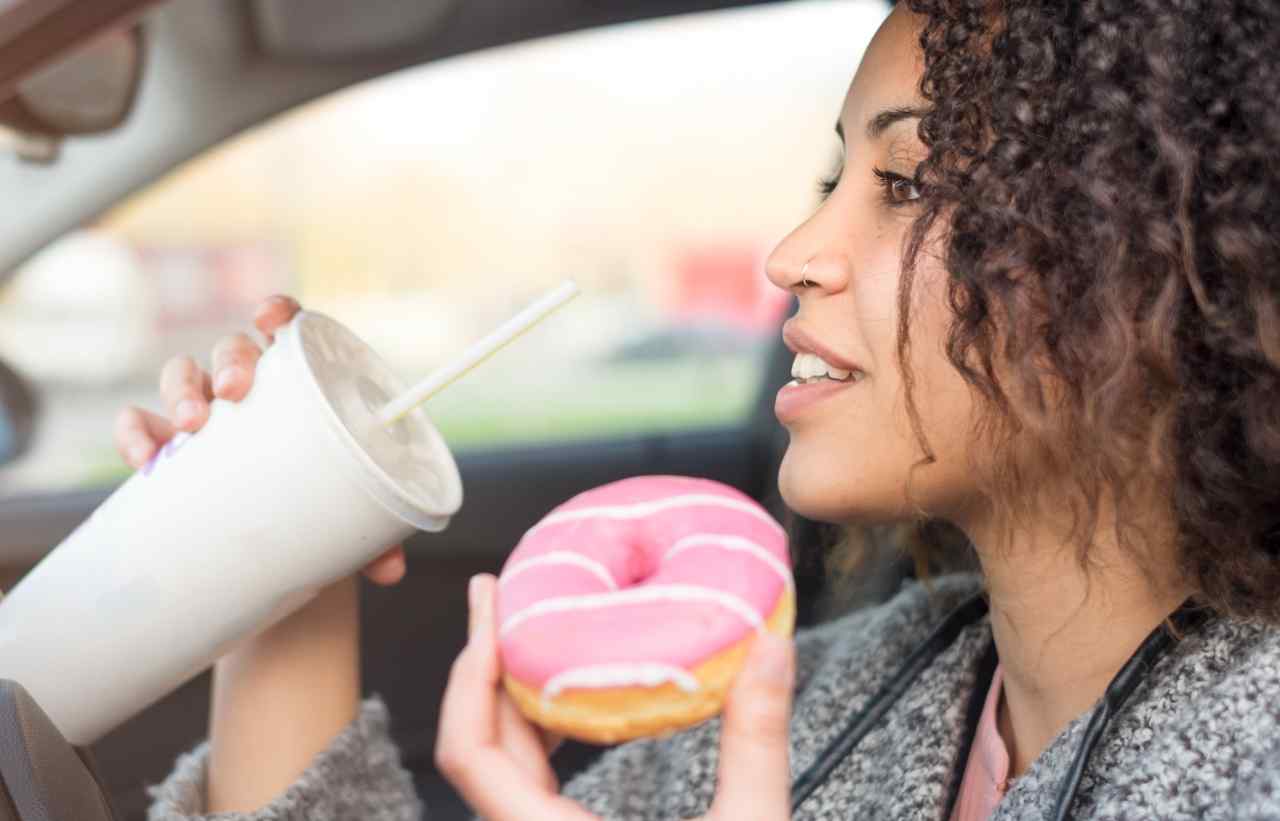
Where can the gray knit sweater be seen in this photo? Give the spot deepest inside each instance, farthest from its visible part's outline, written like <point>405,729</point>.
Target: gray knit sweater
<point>1197,739</point>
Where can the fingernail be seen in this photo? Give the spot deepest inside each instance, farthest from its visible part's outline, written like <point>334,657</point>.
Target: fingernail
<point>224,379</point>
<point>139,454</point>
<point>188,410</point>
<point>775,659</point>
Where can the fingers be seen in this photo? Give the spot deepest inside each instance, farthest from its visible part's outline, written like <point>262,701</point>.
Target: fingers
<point>274,313</point>
<point>186,392</point>
<point>387,569</point>
<point>524,743</point>
<point>469,750</point>
<point>530,737</point>
<point>469,707</point>
<point>523,740</point>
<point>139,434</point>
<point>482,633</point>
<point>234,359</point>
<point>754,775</point>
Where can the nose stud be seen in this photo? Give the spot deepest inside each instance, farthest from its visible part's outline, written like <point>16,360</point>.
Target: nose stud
<point>804,279</point>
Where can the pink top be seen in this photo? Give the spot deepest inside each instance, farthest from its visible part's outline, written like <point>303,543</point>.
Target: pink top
<point>986,774</point>
<point>636,583</point>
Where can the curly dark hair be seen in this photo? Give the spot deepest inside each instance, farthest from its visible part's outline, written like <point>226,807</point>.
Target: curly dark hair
<point>1106,175</point>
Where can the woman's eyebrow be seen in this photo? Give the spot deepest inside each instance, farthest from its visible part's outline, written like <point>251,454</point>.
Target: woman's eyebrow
<point>885,119</point>
<point>882,121</point>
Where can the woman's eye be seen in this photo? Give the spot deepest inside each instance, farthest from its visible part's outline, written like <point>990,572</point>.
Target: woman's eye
<point>827,185</point>
<point>897,189</point>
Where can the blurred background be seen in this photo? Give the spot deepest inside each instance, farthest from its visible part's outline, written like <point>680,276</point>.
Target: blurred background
<point>420,170</point>
<point>656,162</point>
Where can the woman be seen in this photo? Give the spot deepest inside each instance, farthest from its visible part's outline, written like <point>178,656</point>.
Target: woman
<point>1050,265</point>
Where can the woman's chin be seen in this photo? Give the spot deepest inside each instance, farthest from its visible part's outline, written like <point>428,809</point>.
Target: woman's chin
<point>821,491</point>
<point>811,493</point>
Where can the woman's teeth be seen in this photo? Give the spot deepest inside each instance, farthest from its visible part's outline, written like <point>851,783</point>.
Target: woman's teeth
<point>810,367</point>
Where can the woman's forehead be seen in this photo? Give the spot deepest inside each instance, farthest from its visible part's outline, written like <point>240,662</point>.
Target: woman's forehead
<point>889,75</point>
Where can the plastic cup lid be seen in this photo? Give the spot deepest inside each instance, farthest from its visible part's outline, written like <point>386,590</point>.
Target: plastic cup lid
<point>407,466</point>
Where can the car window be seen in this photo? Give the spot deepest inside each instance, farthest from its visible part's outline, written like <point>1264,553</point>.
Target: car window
<point>656,163</point>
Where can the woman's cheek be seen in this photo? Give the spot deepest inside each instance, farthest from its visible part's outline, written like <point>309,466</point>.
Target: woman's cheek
<point>944,401</point>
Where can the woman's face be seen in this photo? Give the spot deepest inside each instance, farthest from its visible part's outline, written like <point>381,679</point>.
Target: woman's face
<point>852,445</point>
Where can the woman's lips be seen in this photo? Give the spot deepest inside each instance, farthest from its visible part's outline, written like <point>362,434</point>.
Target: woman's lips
<point>799,340</point>
<point>795,399</point>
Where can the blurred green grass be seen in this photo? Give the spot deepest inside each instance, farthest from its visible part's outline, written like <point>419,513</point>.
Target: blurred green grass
<point>522,406</point>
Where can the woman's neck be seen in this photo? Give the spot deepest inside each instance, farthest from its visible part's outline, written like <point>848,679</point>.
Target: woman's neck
<point>1061,633</point>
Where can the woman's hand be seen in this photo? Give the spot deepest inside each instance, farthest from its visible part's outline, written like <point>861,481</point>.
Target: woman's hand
<point>498,761</point>
<point>282,695</point>
<point>187,391</point>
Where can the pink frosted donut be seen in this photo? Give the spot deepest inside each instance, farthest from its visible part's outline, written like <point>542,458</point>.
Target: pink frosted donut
<point>629,609</point>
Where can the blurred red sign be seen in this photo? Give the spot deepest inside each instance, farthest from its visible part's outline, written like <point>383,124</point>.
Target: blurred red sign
<point>727,284</point>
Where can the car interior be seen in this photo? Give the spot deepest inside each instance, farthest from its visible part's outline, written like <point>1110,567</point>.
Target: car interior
<point>189,75</point>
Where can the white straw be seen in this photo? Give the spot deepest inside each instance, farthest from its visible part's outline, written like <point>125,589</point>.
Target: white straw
<point>477,353</point>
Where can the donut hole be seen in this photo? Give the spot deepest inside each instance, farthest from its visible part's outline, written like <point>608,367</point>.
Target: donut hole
<point>643,560</point>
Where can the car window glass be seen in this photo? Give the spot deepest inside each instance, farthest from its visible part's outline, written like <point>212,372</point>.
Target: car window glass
<point>656,163</point>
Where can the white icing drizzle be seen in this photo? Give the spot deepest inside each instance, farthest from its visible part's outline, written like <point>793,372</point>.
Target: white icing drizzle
<point>728,542</point>
<point>640,510</point>
<point>635,595</point>
<point>600,676</point>
<point>560,557</point>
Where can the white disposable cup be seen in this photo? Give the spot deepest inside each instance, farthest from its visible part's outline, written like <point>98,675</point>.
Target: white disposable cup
<point>226,532</point>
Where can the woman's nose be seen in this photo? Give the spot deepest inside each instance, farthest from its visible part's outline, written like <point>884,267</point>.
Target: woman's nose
<point>783,268</point>
<point>806,260</point>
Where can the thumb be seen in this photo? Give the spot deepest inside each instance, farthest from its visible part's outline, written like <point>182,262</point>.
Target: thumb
<point>387,569</point>
<point>754,779</point>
